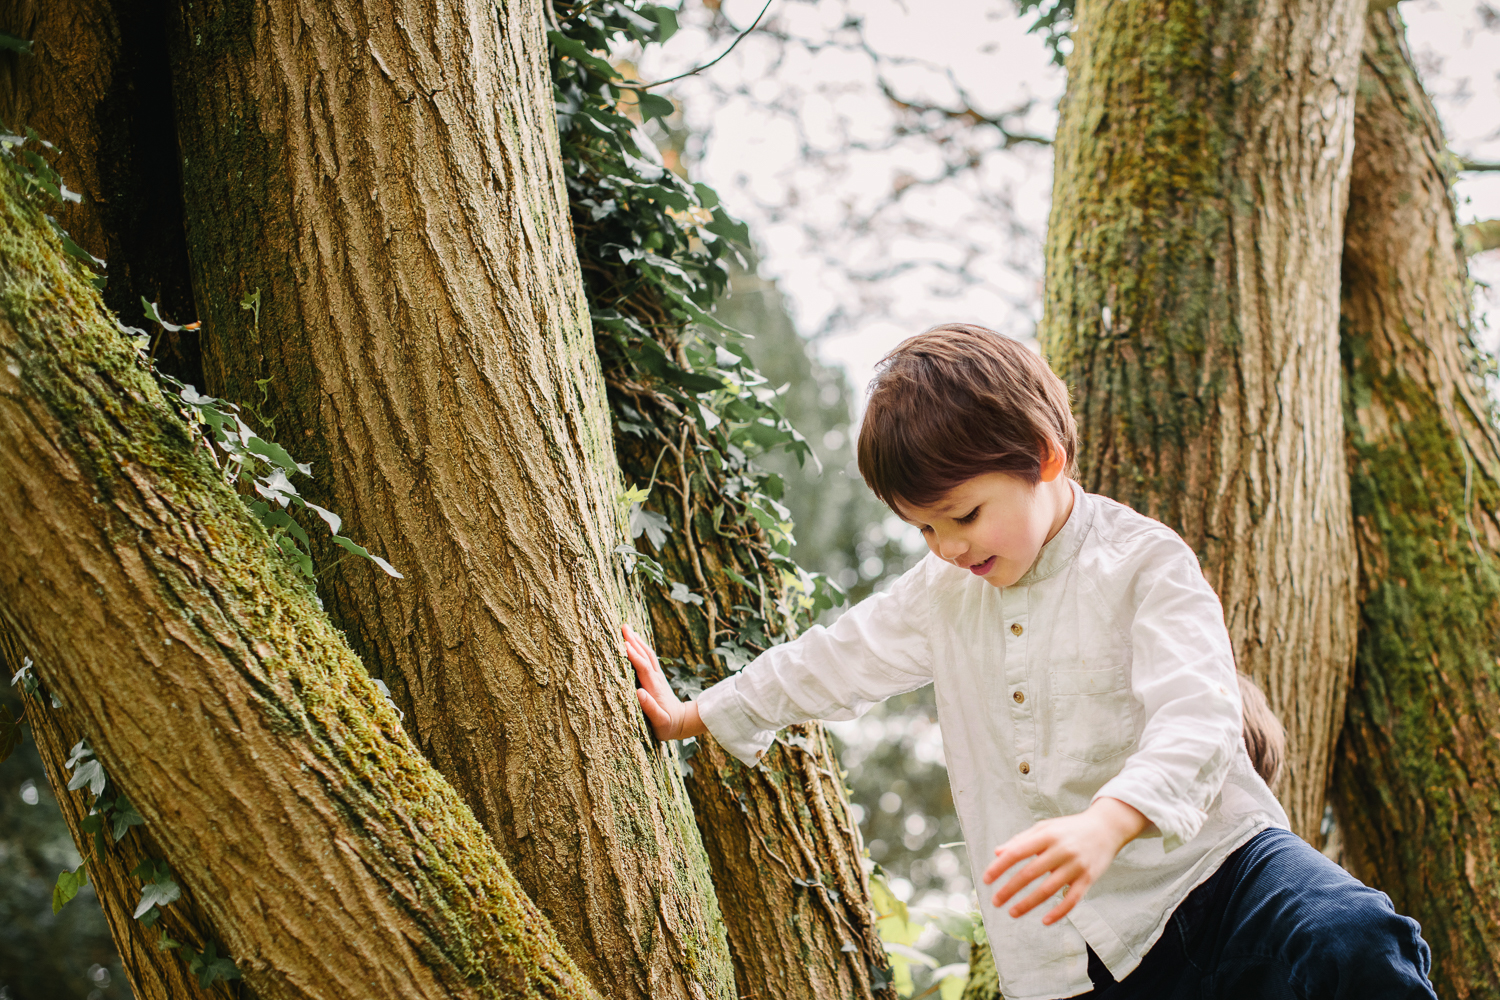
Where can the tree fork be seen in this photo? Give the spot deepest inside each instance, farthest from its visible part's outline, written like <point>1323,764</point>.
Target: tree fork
<point>785,821</point>
<point>1192,304</point>
<point>154,973</point>
<point>329,858</point>
<point>377,225</point>
<point>1415,785</point>
<point>97,84</point>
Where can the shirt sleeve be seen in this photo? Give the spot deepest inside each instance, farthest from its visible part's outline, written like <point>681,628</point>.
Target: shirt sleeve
<point>877,649</point>
<point>1183,673</point>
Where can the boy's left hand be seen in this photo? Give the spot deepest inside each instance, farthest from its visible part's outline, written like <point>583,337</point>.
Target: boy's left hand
<point>1075,850</point>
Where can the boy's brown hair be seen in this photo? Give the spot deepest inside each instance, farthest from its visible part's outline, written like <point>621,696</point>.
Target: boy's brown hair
<point>1265,739</point>
<point>956,402</point>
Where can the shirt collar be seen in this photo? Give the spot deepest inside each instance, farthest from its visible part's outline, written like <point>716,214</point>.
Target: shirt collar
<point>1065,544</point>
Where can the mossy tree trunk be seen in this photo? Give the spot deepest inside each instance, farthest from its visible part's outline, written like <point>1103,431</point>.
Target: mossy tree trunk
<point>1417,780</point>
<point>329,858</point>
<point>786,856</point>
<point>97,85</point>
<point>154,973</point>
<point>1192,304</point>
<point>377,225</point>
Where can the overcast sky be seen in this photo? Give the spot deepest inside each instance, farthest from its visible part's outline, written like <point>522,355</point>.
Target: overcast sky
<point>794,132</point>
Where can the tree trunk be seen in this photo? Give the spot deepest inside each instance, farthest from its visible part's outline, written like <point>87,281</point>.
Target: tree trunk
<point>329,858</point>
<point>785,854</point>
<point>377,225</point>
<point>154,973</point>
<point>98,86</point>
<point>1192,304</point>
<point>1417,783</point>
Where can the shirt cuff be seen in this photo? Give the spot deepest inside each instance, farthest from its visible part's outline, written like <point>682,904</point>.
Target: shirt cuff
<point>1143,788</point>
<point>724,715</point>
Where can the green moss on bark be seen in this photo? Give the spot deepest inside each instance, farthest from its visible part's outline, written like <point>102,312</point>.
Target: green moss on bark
<point>160,500</point>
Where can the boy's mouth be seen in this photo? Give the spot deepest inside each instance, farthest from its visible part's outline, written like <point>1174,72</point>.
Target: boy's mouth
<point>979,569</point>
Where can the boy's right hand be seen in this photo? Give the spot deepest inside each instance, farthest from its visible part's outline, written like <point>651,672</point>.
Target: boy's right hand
<point>670,718</point>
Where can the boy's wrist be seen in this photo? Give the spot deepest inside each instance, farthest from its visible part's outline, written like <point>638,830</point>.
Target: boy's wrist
<point>692,722</point>
<point>1124,821</point>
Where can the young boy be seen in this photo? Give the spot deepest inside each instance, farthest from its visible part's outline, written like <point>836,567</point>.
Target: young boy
<point>1090,709</point>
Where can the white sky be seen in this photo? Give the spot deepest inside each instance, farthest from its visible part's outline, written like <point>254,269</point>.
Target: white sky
<point>786,129</point>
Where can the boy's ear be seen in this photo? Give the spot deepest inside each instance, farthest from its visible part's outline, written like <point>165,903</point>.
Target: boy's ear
<point>1053,462</point>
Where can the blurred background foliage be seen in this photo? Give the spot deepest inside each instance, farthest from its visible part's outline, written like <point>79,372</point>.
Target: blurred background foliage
<point>45,956</point>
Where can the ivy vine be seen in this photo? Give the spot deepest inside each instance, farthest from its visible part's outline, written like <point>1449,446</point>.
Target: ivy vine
<point>655,251</point>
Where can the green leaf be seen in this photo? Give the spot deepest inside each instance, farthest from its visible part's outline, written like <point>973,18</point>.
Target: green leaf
<point>73,249</point>
<point>365,553</point>
<point>156,317</point>
<point>10,732</point>
<point>68,884</point>
<point>653,106</point>
<point>210,967</point>
<point>682,595</point>
<point>90,773</point>
<point>10,43</point>
<point>123,817</point>
<point>161,892</point>
<point>655,526</point>
<point>633,495</point>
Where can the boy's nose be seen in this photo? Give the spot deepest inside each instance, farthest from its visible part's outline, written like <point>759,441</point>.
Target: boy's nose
<point>952,548</point>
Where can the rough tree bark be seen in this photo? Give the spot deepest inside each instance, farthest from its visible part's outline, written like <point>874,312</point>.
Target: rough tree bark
<point>98,86</point>
<point>154,973</point>
<point>1417,781</point>
<point>377,224</point>
<point>1192,304</point>
<point>785,854</point>
<point>328,856</point>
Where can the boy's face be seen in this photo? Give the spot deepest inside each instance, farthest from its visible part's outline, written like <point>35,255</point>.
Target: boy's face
<point>995,524</point>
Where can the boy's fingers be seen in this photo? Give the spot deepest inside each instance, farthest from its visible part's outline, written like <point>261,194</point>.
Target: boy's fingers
<point>657,716</point>
<point>1075,893</point>
<point>1016,849</point>
<point>1043,892</point>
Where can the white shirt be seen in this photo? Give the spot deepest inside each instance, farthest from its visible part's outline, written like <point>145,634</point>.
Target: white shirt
<point>1105,670</point>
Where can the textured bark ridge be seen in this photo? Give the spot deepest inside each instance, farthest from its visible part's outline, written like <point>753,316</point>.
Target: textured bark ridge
<point>154,973</point>
<point>377,225</point>
<point>329,858</point>
<point>97,85</point>
<point>1417,781</point>
<point>785,855</point>
<point>1192,304</point>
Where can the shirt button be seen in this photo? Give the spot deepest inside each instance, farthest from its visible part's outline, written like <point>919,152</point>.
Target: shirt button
<point>1019,697</point>
<point>1016,629</point>
<point>1025,767</point>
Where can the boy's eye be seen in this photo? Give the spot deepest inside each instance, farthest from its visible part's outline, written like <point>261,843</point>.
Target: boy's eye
<point>969,517</point>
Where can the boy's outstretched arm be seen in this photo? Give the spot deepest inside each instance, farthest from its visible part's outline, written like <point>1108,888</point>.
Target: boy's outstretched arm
<point>1071,851</point>
<point>670,718</point>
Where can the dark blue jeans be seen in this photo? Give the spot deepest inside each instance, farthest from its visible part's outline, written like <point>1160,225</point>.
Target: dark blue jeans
<point>1278,921</point>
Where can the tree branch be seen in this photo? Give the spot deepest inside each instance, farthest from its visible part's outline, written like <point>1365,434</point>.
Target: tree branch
<point>1481,236</point>
<point>699,69</point>
<point>1476,166</point>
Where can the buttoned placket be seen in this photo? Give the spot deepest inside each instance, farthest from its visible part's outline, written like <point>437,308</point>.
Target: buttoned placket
<point>1015,638</point>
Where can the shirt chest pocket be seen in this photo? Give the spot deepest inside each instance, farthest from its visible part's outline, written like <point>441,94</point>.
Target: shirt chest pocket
<point>1093,714</point>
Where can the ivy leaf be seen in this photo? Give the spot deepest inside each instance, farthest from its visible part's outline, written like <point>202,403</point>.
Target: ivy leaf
<point>653,525</point>
<point>360,550</point>
<point>73,249</point>
<point>10,43</point>
<point>210,967</point>
<point>156,317</point>
<point>653,106</point>
<point>123,818</point>
<point>10,732</point>
<point>25,677</point>
<point>68,884</point>
<point>90,773</point>
<point>634,495</point>
<point>682,595</point>
<point>158,893</point>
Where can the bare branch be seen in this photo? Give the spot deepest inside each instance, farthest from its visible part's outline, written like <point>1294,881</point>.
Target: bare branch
<point>1475,166</point>
<point>1481,236</point>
